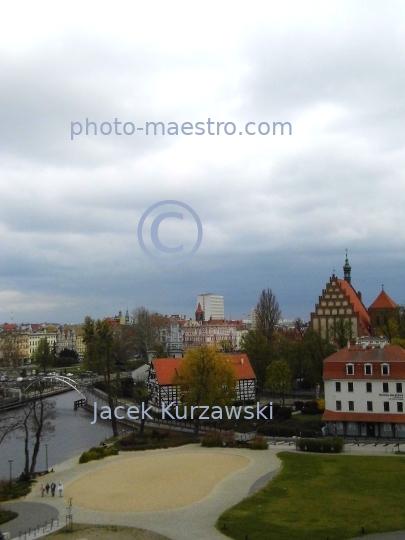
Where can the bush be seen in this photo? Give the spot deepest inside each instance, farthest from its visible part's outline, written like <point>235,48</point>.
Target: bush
<point>211,440</point>
<point>298,405</point>
<point>321,445</point>
<point>310,407</point>
<point>97,452</point>
<point>320,405</point>
<point>284,413</point>
<point>258,443</point>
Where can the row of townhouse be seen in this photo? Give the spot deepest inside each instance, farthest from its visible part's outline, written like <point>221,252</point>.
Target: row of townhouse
<point>25,339</point>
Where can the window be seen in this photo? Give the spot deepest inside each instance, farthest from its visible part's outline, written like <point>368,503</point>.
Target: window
<point>385,387</point>
<point>338,405</point>
<point>369,387</point>
<point>369,405</point>
<point>368,369</point>
<point>350,387</point>
<point>399,388</point>
<point>385,369</point>
<point>349,369</point>
<point>386,406</point>
<point>337,385</point>
<point>400,406</point>
<point>351,405</point>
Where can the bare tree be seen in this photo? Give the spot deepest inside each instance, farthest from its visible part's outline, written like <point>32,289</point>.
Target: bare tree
<point>268,313</point>
<point>36,425</point>
<point>147,328</point>
<point>8,424</point>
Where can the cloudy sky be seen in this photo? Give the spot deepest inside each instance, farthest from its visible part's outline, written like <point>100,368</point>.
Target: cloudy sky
<point>276,210</point>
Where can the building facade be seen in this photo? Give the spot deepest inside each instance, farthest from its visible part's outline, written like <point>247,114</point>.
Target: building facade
<point>212,306</point>
<point>163,371</point>
<point>364,391</point>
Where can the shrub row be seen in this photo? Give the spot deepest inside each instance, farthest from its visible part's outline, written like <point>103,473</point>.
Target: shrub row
<point>321,445</point>
<point>97,452</point>
<point>211,440</point>
<point>278,430</point>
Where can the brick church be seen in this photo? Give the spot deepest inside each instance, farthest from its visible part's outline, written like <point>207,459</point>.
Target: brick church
<point>341,304</point>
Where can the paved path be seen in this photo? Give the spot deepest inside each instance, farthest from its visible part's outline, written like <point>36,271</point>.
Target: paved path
<point>30,514</point>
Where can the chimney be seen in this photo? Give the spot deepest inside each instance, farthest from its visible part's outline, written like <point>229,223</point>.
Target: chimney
<point>382,344</point>
<point>241,361</point>
<point>364,346</point>
<point>348,343</point>
<point>359,295</point>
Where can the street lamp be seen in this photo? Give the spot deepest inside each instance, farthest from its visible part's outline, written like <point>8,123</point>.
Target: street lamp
<point>46,456</point>
<point>11,469</point>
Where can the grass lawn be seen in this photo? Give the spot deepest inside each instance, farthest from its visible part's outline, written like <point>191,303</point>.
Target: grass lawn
<point>7,515</point>
<point>315,497</point>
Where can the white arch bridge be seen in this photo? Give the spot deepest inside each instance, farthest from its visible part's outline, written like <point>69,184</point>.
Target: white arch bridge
<point>62,378</point>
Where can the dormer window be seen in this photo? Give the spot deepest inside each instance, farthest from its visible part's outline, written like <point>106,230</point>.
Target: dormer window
<point>385,369</point>
<point>349,369</point>
<point>368,369</point>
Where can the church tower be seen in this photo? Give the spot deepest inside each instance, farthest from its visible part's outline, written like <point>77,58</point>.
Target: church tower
<point>199,314</point>
<point>346,270</point>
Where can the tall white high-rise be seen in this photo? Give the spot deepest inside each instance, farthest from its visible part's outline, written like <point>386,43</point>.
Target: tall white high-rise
<point>212,305</point>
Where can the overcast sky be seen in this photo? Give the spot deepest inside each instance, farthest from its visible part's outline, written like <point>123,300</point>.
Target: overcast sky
<point>277,211</point>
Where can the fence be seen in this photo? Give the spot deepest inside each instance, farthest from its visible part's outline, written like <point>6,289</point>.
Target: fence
<point>39,530</point>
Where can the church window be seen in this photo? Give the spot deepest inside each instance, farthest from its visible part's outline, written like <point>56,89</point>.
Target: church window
<point>337,303</point>
<point>341,311</point>
<point>349,311</point>
<point>334,296</point>
<point>327,311</point>
<point>344,303</point>
<point>334,311</point>
<point>320,311</point>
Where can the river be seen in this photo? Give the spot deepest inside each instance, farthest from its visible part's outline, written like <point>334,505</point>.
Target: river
<point>73,435</point>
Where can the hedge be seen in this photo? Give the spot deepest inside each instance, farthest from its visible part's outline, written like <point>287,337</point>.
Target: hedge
<point>97,452</point>
<point>321,445</point>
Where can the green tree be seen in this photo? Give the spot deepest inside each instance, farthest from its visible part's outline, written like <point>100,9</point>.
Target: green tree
<point>279,377</point>
<point>259,352</point>
<point>268,314</point>
<point>43,355</point>
<point>205,378</point>
<point>9,348</point>
<point>317,348</point>
<point>99,340</point>
<point>343,331</point>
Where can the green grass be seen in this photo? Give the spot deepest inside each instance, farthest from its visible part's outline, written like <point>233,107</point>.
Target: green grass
<point>317,497</point>
<point>7,515</point>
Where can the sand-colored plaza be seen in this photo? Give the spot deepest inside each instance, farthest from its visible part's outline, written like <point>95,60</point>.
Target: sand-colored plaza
<point>154,481</point>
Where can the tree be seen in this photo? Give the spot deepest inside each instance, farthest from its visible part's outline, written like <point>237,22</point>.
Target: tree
<point>8,423</point>
<point>317,348</point>
<point>10,348</point>
<point>205,378</point>
<point>43,355</point>
<point>147,328</point>
<point>36,423</point>
<point>267,314</point>
<point>343,331</point>
<point>279,377</point>
<point>99,339</point>
<point>259,352</point>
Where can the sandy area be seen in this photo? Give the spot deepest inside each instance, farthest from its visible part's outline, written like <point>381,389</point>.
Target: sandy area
<point>92,532</point>
<point>153,482</point>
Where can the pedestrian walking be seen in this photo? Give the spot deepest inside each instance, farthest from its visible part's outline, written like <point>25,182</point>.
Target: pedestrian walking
<point>47,487</point>
<point>60,489</point>
<point>42,488</point>
<point>53,489</point>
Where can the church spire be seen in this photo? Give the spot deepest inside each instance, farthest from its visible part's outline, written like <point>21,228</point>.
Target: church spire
<point>347,269</point>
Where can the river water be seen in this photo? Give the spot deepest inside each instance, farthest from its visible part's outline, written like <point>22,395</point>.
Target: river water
<point>73,435</point>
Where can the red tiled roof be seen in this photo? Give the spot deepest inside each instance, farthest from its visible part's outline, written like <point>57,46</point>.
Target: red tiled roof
<point>7,326</point>
<point>339,416</point>
<point>383,301</point>
<point>335,365</point>
<point>357,304</point>
<point>165,368</point>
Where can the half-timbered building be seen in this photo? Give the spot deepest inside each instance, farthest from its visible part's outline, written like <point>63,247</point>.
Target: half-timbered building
<point>163,371</point>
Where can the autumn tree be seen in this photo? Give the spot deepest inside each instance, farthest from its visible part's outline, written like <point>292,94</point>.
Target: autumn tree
<point>279,377</point>
<point>205,378</point>
<point>259,352</point>
<point>268,314</point>
<point>10,348</point>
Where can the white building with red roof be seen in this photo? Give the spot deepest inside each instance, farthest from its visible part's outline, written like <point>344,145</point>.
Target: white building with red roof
<point>364,391</point>
<point>163,371</point>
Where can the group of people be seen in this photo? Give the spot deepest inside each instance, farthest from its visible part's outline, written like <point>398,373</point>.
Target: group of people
<point>52,489</point>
